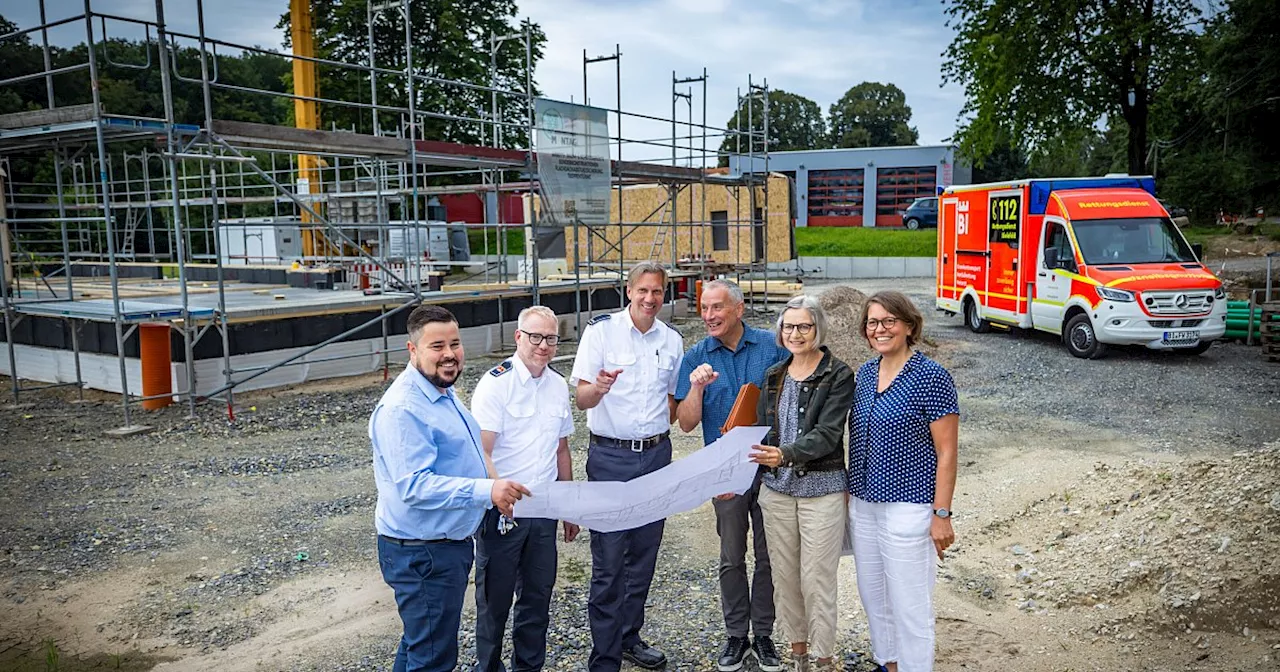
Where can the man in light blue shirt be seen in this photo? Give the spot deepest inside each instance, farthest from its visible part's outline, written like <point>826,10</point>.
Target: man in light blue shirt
<point>433,490</point>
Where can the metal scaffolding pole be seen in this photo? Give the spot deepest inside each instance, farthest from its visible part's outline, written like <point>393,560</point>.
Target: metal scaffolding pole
<point>101,143</point>
<point>171,147</point>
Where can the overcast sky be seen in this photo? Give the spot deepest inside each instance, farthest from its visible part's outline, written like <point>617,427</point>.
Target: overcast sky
<point>816,48</point>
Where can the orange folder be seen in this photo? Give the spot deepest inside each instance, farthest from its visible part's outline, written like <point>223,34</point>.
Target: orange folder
<point>744,408</point>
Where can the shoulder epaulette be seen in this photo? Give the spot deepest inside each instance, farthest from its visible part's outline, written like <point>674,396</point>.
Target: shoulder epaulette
<point>599,318</point>
<point>500,369</point>
<point>672,328</point>
<point>555,370</point>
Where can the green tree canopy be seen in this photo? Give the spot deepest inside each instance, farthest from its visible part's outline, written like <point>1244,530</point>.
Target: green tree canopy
<point>450,40</point>
<point>872,115</point>
<point>1036,69</point>
<point>795,122</point>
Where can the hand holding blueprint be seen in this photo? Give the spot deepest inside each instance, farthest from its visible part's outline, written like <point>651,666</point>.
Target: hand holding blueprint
<point>611,506</point>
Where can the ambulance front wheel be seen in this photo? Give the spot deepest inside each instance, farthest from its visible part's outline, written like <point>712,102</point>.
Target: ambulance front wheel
<point>1081,339</point>
<point>971,317</point>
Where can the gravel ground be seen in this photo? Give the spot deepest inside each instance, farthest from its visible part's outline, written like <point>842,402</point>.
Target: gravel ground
<point>191,547</point>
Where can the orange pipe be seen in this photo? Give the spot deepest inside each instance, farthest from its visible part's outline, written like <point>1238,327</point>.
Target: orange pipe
<point>697,302</point>
<point>157,360</point>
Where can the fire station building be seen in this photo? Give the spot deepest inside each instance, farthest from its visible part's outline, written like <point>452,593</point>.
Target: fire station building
<point>864,186</point>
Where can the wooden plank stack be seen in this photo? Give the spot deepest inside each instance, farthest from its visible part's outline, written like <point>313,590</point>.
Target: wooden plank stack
<point>1270,331</point>
<point>778,290</point>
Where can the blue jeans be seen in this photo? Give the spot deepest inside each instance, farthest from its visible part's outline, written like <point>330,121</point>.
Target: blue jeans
<point>429,581</point>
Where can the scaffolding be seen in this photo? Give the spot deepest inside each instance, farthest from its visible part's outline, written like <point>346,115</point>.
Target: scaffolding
<point>128,191</point>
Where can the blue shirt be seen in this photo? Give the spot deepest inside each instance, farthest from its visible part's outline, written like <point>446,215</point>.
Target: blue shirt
<point>891,452</point>
<point>757,351</point>
<point>427,462</point>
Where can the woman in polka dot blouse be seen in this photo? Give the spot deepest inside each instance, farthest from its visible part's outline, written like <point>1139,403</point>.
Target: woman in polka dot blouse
<point>805,402</point>
<point>902,473</point>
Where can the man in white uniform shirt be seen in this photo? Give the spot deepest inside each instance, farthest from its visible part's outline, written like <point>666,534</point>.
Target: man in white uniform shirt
<point>522,406</point>
<point>625,373</point>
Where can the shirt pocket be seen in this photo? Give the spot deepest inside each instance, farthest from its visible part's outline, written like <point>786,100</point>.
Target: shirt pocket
<point>521,411</point>
<point>620,359</point>
<point>552,419</point>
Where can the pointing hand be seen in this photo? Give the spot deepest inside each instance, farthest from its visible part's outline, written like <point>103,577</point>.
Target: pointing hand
<point>606,379</point>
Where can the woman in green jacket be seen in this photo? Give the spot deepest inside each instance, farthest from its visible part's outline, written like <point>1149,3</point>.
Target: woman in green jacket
<point>805,402</point>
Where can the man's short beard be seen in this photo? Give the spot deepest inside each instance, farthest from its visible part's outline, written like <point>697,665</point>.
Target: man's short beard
<point>435,379</point>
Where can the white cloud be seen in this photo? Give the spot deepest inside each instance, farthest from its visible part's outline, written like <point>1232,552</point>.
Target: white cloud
<point>816,48</point>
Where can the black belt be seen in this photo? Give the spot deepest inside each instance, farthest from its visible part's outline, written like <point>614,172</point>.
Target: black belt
<point>634,445</point>
<point>422,542</point>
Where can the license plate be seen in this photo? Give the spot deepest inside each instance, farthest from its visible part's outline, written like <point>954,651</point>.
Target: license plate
<point>1182,337</point>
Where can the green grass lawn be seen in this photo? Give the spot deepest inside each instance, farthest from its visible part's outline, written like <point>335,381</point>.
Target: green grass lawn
<point>856,241</point>
<point>515,241</point>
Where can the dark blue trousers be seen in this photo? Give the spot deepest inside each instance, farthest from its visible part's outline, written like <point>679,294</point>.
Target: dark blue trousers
<point>430,582</point>
<point>521,562</point>
<point>622,563</point>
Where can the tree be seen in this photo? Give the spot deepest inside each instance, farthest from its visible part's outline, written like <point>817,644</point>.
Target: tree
<point>795,122</point>
<point>450,40</point>
<point>872,115</point>
<point>1031,69</point>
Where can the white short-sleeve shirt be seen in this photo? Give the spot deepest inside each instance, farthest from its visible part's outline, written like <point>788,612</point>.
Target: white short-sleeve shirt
<point>529,415</point>
<point>636,405</point>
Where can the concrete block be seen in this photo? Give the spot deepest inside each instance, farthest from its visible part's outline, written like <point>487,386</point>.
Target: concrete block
<point>921,267</point>
<point>891,267</point>
<point>839,267</point>
<point>864,267</point>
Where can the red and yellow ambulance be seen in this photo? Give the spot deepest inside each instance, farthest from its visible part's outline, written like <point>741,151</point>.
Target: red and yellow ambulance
<point>1095,260</point>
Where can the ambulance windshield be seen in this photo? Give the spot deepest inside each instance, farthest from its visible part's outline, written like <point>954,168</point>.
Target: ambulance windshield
<point>1141,240</point>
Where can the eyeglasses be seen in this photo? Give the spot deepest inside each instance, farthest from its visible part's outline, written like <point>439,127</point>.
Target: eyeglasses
<point>537,339</point>
<point>887,323</point>
<point>802,328</point>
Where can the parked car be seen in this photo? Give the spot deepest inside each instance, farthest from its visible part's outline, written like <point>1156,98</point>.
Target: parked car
<point>922,213</point>
<point>1174,211</point>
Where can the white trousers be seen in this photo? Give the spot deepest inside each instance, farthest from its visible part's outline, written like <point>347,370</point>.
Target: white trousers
<point>894,559</point>
<point>804,535</point>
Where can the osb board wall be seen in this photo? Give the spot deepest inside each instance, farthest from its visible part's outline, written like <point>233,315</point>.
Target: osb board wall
<point>692,234</point>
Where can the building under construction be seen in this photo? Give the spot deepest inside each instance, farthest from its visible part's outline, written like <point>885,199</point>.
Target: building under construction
<point>172,261</point>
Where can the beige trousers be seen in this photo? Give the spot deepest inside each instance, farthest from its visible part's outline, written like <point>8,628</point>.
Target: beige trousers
<point>805,535</point>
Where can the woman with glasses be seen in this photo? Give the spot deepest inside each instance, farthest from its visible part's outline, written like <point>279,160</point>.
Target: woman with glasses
<point>805,401</point>
<point>902,473</point>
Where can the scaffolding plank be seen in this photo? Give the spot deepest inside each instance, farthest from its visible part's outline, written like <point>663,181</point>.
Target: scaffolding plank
<point>306,141</point>
<point>59,115</point>
<point>439,153</point>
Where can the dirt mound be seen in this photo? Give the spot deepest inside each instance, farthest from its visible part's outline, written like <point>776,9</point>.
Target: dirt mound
<point>1194,546</point>
<point>843,306</point>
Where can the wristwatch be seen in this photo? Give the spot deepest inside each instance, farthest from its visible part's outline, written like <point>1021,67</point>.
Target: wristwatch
<point>942,513</point>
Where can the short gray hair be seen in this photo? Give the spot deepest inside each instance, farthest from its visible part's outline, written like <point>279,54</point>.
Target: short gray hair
<point>735,292</point>
<point>644,268</point>
<point>541,311</point>
<point>811,304</point>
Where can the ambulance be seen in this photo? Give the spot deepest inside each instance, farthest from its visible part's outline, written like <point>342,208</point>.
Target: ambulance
<point>1097,261</point>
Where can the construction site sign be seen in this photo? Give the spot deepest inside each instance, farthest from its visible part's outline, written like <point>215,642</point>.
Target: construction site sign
<point>572,142</point>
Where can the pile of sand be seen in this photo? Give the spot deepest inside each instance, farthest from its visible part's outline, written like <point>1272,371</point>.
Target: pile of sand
<point>843,307</point>
<point>1189,546</point>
